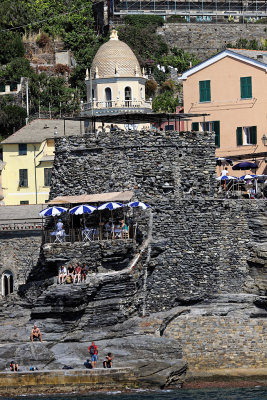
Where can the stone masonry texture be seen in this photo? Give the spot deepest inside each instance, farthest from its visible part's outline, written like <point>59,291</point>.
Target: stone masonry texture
<point>204,40</point>
<point>196,275</point>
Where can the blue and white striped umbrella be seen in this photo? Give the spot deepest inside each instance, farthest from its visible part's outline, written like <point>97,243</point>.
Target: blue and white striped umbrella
<point>144,206</point>
<point>52,211</point>
<point>248,176</point>
<point>226,178</point>
<point>110,206</point>
<point>83,209</point>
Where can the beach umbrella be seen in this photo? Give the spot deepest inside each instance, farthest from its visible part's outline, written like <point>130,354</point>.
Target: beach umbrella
<point>82,209</point>
<point>110,206</point>
<point>144,206</point>
<point>244,177</point>
<point>52,211</point>
<point>245,165</point>
<point>225,178</point>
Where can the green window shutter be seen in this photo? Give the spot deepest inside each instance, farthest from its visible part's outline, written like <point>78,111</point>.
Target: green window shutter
<point>216,129</point>
<point>195,126</point>
<point>246,87</point>
<point>239,136</point>
<point>204,91</point>
<point>253,135</point>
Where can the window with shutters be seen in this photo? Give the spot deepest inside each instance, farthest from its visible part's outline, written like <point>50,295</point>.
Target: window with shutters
<point>246,135</point>
<point>23,178</point>
<point>246,87</point>
<point>169,128</point>
<point>195,126</point>
<point>204,91</point>
<point>47,176</point>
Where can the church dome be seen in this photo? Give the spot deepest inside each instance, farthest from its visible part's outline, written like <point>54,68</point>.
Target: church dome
<point>115,58</point>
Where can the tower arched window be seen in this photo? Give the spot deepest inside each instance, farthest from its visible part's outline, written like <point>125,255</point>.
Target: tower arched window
<point>108,97</point>
<point>128,96</point>
<point>7,283</point>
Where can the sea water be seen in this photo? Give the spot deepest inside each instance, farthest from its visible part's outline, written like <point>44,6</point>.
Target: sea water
<point>256,393</point>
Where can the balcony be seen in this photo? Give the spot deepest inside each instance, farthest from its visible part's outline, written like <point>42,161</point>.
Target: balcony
<point>116,105</point>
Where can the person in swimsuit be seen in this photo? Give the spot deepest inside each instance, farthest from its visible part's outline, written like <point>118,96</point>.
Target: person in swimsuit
<point>36,333</point>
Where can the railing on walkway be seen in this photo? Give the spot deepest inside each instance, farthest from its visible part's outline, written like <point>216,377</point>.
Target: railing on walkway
<point>73,235</point>
<point>20,225</point>
<point>192,8</point>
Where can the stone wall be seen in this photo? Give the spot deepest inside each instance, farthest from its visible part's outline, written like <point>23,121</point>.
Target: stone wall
<point>230,338</point>
<point>19,252</point>
<point>200,277</point>
<point>204,40</point>
<point>201,244</point>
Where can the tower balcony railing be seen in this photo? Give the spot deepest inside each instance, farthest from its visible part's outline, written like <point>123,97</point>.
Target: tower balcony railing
<point>116,104</point>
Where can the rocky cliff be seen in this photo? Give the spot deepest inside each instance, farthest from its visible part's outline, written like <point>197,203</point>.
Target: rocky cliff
<point>191,289</point>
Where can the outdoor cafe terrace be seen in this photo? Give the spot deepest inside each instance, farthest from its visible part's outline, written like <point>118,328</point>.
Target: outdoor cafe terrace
<point>86,218</point>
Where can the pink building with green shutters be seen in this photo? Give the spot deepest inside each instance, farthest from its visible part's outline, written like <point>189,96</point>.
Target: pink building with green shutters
<point>232,87</point>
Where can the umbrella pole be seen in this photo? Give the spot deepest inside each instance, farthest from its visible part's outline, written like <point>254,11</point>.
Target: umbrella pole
<point>113,228</point>
<point>72,238</point>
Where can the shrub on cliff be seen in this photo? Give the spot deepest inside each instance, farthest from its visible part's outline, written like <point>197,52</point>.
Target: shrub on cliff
<point>11,46</point>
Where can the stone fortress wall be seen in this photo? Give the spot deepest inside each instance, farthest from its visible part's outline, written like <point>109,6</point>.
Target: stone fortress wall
<point>19,252</point>
<point>206,259</point>
<point>205,39</point>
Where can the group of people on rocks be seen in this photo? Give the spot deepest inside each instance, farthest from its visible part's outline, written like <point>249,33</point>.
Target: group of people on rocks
<point>72,274</point>
<point>92,350</point>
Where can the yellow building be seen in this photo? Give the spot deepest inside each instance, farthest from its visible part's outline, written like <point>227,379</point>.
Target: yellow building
<point>28,157</point>
<point>232,88</point>
<point>116,83</point>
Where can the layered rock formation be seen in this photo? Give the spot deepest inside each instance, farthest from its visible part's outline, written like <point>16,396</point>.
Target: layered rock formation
<point>192,288</point>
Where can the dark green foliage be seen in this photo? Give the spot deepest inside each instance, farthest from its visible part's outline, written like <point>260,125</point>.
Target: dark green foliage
<point>165,102</point>
<point>17,68</point>
<point>15,13</point>
<point>11,46</point>
<point>142,20</point>
<point>249,44</point>
<point>145,43</point>
<point>12,118</point>
<point>179,59</point>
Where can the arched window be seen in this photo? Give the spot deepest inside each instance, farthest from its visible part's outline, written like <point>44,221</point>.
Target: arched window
<point>7,283</point>
<point>128,96</point>
<point>108,97</point>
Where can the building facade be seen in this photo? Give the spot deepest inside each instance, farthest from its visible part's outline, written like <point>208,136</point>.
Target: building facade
<point>232,88</point>
<point>28,157</point>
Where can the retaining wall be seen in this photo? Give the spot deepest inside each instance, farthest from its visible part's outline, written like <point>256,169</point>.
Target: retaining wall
<point>204,39</point>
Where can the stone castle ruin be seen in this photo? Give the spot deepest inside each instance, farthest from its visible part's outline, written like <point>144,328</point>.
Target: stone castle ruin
<point>190,291</point>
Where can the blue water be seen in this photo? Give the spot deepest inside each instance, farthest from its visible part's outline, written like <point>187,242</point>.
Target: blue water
<point>258,393</point>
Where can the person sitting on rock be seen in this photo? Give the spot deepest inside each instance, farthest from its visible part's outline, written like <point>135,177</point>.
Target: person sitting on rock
<point>36,334</point>
<point>84,272</point>
<point>62,273</point>
<point>78,272</point>
<point>71,272</point>
<point>107,363</point>
<point>14,366</point>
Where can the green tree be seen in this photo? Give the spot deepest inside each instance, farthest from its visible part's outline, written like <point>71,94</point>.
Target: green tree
<point>139,32</point>
<point>15,13</point>
<point>12,118</point>
<point>17,68</point>
<point>179,59</point>
<point>11,46</point>
<point>165,102</point>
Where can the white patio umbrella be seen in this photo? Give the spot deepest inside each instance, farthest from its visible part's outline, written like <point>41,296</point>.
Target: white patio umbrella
<point>52,211</point>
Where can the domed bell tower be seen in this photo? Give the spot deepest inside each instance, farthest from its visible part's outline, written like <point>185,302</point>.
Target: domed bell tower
<point>115,83</point>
